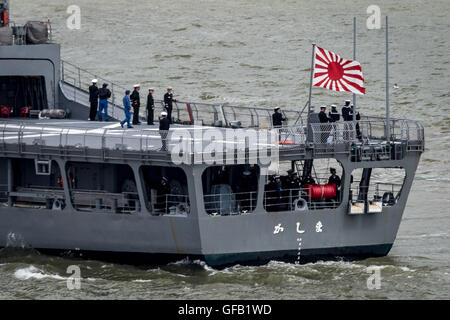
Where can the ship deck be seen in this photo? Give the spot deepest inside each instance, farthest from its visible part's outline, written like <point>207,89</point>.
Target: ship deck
<point>78,137</point>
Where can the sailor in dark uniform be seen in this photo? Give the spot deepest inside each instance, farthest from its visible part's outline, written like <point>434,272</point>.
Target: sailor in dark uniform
<point>164,126</point>
<point>357,118</point>
<point>272,195</point>
<point>309,180</point>
<point>162,195</point>
<point>346,110</point>
<point>334,115</point>
<point>345,117</point>
<point>136,103</point>
<point>280,194</point>
<point>93,99</point>
<point>334,179</point>
<point>323,118</point>
<point>277,118</point>
<point>150,107</point>
<point>168,99</point>
<point>324,128</point>
<point>292,186</point>
<point>350,114</point>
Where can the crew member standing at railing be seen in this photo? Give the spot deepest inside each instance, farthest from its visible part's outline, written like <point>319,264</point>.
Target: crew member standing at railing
<point>309,180</point>
<point>277,118</point>
<point>325,129</point>
<point>162,195</point>
<point>127,109</point>
<point>93,99</point>
<point>150,107</point>
<point>103,94</point>
<point>273,194</point>
<point>335,180</point>
<point>333,115</point>
<point>357,118</point>
<point>346,110</point>
<point>323,118</point>
<point>168,99</point>
<point>292,186</point>
<point>345,117</point>
<point>136,103</point>
<point>164,126</point>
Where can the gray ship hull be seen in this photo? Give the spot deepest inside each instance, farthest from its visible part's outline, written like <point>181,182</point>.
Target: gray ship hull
<point>257,237</point>
<point>219,240</point>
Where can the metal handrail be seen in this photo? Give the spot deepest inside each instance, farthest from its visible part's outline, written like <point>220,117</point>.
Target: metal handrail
<point>60,138</point>
<point>286,200</point>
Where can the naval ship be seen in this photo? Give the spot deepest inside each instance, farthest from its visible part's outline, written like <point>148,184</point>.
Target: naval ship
<point>92,189</point>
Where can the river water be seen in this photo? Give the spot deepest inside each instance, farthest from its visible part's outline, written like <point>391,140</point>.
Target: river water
<point>258,53</point>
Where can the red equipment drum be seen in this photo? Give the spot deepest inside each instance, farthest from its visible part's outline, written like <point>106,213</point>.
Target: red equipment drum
<point>321,191</point>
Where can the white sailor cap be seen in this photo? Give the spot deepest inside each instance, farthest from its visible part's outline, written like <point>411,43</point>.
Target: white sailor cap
<point>163,113</point>
<point>333,106</point>
<point>347,101</point>
<point>94,80</point>
<point>137,85</point>
<point>323,106</point>
<point>151,89</point>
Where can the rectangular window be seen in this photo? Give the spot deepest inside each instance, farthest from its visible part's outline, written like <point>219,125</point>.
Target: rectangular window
<point>302,185</point>
<point>375,188</point>
<point>166,190</point>
<point>32,189</point>
<point>230,190</point>
<point>102,187</point>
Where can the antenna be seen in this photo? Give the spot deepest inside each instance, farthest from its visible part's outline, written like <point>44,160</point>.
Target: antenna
<point>388,120</point>
<point>354,59</point>
<point>309,136</point>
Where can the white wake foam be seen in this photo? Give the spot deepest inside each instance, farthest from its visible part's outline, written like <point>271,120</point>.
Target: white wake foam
<point>32,272</point>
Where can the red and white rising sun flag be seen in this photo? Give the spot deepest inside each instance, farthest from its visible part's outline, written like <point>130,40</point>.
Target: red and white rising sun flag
<point>335,73</point>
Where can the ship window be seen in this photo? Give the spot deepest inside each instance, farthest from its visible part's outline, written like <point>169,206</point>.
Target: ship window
<point>374,188</point>
<point>102,187</point>
<point>3,180</point>
<point>34,190</point>
<point>165,189</point>
<point>43,167</point>
<point>17,92</point>
<point>301,185</point>
<point>230,189</point>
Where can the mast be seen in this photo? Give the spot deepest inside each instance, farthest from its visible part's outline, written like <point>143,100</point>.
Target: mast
<point>354,59</point>
<point>310,90</point>
<point>388,120</point>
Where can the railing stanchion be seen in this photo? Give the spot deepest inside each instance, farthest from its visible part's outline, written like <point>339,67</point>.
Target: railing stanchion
<point>79,78</point>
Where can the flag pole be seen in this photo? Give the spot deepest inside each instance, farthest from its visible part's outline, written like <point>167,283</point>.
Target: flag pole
<point>388,120</point>
<point>354,59</point>
<point>310,85</point>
